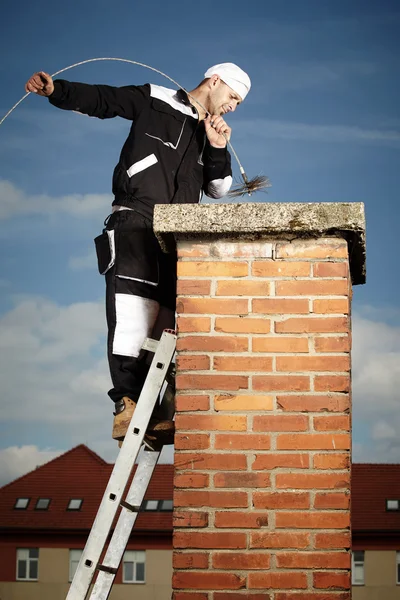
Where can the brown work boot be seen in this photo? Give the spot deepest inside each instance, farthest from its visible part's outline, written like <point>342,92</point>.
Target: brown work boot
<point>158,430</point>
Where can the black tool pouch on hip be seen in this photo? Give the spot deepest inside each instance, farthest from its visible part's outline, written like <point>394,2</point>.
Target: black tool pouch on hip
<point>105,251</point>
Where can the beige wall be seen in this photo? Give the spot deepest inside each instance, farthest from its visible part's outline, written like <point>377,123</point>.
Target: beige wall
<point>53,579</point>
<point>380,577</point>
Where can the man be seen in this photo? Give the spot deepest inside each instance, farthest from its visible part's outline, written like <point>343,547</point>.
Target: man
<point>176,149</point>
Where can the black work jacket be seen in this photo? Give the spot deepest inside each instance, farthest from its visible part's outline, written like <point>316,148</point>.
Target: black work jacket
<point>166,157</point>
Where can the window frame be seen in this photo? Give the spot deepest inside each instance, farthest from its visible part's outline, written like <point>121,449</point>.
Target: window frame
<point>134,562</point>
<point>358,563</point>
<point>74,509</point>
<point>28,560</point>
<point>70,574</point>
<point>22,507</point>
<point>392,509</point>
<point>46,507</point>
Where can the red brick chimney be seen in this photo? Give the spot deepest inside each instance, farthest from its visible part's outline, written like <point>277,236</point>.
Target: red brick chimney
<point>262,449</point>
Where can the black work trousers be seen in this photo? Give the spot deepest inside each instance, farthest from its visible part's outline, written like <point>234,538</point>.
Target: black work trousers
<point>140,299</point>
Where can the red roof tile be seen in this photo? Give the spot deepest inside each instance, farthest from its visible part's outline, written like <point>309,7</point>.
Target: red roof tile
<point>79,473</point>
<point>372,485</point>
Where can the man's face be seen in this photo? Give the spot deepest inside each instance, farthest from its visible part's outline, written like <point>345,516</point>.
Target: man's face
<point>223,99</point>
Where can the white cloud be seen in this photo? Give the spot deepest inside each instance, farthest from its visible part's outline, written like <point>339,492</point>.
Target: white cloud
<point>15,202</point>
<point>15,461</point>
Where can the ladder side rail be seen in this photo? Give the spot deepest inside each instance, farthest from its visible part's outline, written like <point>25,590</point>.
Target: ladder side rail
<point>122,468</point>
<point>124,526</point>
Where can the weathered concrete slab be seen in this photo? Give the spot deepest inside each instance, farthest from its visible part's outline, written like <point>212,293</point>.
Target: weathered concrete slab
<point>266,220</point>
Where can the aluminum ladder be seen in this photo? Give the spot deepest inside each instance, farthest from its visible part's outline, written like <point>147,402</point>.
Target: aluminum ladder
<point>158,381</point>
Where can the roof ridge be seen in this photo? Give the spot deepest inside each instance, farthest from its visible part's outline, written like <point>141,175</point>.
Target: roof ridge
<point>60,456</point>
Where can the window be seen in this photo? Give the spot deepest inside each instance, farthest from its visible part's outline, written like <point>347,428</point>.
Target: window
<point>42,504</point>
<point>133,567</point>
<point>74,558</point>
<point>398,568</point>
<point>75,504</point>
<point>151,505</point>
<point>22,503</point>
<point>167,505</point>
<point>357,567</point>
<point>392,504</point>
<point>27,564</point>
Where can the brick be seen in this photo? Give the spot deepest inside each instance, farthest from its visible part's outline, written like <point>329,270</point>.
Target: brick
<point>195,362</point>
<point>242,480</point>
<point>280,500</point>
<point>191,441</point>
<point>207,580</point>
<point>280,306</point>
<point>280,460</point>
<point>191,480</point>
<point>243,403</point>
<point>332,344</point>
<point>187,518</point>
<point>212,268</point>
<point>332,461</point>
<point>272,268</point>
<point>211,382</point>
<point>317,441</point>
<point>319,403</point>
<point>281,581</point>
<point>193,287</point>
<point>198,499</point>
<point>332,423</point>
<point>281,423</point>
<point>189,596</point>
<point>242,363</point>
<point>212,343</point>
<point>242,325</point>
<point>240,596</point>
<point>235,519</point>
<point>185,403</point>
<point>210,462</point>
<point>331,306</point>
<point>280,344</point>
<point>316,287</point>
<point>211,422</point>
<point>241,560</point>
<point>340,501</point>
<point>245,441</point>
<point>333,540</point>
<point>223,249</point>
<point>317,520</point>
<point>279,540</point>
<point>213,306</point>
<point>312,480</point>
<point>313,560</point>
<point>332,581</point>
<point>213,540</point>
<point>330,269</point>
<point>332,383</point>
<point>293,364</point>
<point>243,288</point>
<point>190,560</point>
<point>193,324</point>
<point>192,249</point>
<point>312,249</point>
<point>312,596</point>
<point>313,325</point>
<point>281,383</point>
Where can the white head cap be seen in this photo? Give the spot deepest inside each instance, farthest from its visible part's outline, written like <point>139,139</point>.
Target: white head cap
<point>233,76</point>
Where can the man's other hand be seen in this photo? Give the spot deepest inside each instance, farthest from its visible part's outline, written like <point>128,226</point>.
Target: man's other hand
<point>40,83</point>
<point>218,132</point>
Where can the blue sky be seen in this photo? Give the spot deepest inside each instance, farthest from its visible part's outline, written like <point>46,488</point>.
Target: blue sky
<point>322,121</point>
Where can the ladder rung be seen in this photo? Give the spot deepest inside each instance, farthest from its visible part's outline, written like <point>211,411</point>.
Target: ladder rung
<point>130,507</point>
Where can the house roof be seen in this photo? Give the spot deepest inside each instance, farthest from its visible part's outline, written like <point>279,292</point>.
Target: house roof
<point>79,473</point>
<point>372,485</point>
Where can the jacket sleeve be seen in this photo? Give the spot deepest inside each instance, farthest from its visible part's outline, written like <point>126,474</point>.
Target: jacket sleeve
<point>102,101</point>
<point>217,172</point>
